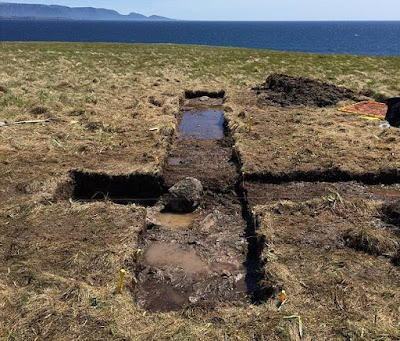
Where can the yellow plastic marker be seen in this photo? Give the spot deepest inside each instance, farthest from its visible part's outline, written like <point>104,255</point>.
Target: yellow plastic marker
<point>282,299</point>
<point>138,253</point>
<point>282,296</point>
<point>121,280</point>
<point>250,125</point>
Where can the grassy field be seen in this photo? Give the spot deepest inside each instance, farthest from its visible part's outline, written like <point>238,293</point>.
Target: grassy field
<point>113,110</point>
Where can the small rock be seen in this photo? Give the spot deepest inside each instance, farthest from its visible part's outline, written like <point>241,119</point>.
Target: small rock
<point>208,222</point>
<point>193,299</point>
<point>204,98</point>
<point>238,277</point>
<point>185,196</point>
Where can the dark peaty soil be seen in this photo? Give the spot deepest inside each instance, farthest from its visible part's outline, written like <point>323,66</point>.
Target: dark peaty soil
<point>283,90</point>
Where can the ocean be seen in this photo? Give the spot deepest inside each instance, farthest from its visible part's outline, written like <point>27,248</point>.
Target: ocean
<point>356,38</point>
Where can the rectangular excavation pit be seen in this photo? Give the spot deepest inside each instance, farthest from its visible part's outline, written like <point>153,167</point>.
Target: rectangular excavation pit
<point>202,261</point>
<point>202,147</point>
<point>213,257</point>
<point>332,175</point>
<point>143,189</point>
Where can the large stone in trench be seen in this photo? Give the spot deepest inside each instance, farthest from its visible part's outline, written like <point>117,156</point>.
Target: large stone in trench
<point>185,196</point>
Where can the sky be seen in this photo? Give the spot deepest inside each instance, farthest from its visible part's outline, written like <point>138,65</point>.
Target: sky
<point>246,9</point>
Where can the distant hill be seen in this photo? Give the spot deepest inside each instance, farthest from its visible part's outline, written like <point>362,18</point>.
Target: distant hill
<point>11,10</point>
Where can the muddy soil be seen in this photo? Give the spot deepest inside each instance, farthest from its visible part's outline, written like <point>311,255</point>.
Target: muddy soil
<point>207,160</point>
<point>213,255</point>
<point>201,257</point>
<point>258,193</point>
<point>197,154</point>
<point>285,91</point>
<point>198,262</point>
<point>201,102</point>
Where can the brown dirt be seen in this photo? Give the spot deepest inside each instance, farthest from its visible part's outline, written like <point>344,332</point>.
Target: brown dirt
<point>210,161</point>
<point>259,193</point>
<point>59,263</point>
<point>213,168</point>
<point>337,289</point>
<point>283,90</point>
<point>201,263</point>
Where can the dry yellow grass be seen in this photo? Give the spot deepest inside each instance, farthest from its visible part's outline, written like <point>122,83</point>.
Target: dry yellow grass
<point>340,292</point>
<point>289,141</point>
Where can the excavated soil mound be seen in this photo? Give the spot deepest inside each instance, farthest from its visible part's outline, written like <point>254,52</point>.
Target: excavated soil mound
<point>284,90</point>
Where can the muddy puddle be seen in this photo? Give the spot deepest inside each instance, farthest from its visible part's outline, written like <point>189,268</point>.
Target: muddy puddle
<point>202,125</point>
<point>202,148</point>
<point>173,256</point>
<point>175,221</point>
<point>205,263</point>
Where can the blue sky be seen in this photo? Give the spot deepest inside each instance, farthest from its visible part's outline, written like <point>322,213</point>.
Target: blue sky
<point>247,9</point>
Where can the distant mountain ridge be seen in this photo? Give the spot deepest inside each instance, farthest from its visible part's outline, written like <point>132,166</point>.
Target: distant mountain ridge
<point>14,10</point>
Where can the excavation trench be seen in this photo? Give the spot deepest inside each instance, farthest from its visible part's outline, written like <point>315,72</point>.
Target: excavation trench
<point>210,255</point>
<point>260,193</point>
<point>142,189</point>
<point>385,177</point>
